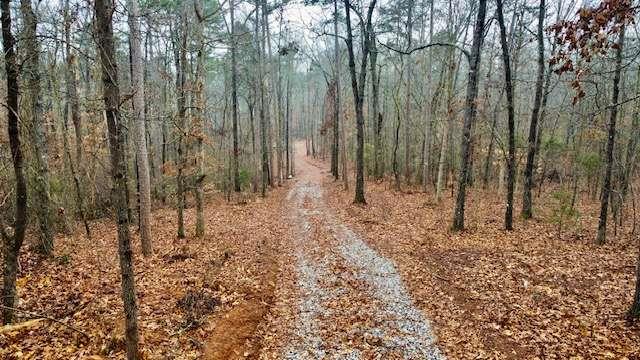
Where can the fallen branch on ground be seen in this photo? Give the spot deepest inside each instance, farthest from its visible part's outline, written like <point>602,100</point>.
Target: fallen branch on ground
<point>23,325</point>
<point>39,317</point>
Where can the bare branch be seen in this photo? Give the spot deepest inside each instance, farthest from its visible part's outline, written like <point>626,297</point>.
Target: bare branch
<point>426,46</point>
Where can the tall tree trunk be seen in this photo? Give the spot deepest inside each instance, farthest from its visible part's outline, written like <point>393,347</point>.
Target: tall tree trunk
<point>12,243</point>
<point>486,167</point>
<point>527,202</point>
<point>287,119</point>
<point>73,107</point>
<point>277,80</point>
<point>613,115</point>
<point>336,104</point>
<point>199,118</point>
<point>263,120</point>
<point>343,151</point>
<point>426,150</point>
<point>358,85</point>
<point>72,87</point>
<point>140,130</point>
<point>74,173</point>
<point>164,158</point>
<point>252,129</point>
<point>151,147</point>
<point>111,95</point>
<point>628,166</point>
<point>312,118</point>
<point>511,159</point>
<point>32,115</point>
<point>631,156</point>
<point>469,114</point>
<point>407,102</point>
<point>396,140</point>
<point>234,100</point>
<point>543,106</point>
<point>180,54</point>
<point>273,160</point>
<point>376,117</point>
<point>448,127</point>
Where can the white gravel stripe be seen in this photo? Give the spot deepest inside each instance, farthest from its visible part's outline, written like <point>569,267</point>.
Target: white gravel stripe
<point>416,340</point>
<point>309,344</point>
<point>402,326</point>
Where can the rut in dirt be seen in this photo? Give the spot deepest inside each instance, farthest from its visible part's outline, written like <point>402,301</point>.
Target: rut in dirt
<point>352,303</point>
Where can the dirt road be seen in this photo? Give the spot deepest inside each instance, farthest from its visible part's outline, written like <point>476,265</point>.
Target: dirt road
<point>347,301</point>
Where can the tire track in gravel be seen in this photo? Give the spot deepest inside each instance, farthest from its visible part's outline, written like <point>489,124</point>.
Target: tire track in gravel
<point>352,303</point>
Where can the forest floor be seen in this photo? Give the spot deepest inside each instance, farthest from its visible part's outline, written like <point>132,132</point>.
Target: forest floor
<point>531,293</point>
<point>195,296</point>
<point>304,274</point>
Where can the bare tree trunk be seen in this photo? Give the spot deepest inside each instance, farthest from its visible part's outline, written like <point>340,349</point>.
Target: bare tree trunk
<point>234,100</point>
<point>151,147</point>
<point>74,172</point>
<point>489,159</point>
<point>12,243</point>
<point>314,151</point>
<point>273,169</point>
<point>541,120</point>
<point>252,125</point>
<point>32,115</point>
<point>407,103</point>
<point>164,158</point>
<point>287,120</point>
<point>293,161</point>
<point>613,115</point>
<point>511,159</point>
<point>277,81</point>
<point>343,152</point>
<point>527,202</point>
<point>446,134</point>
<point>180,54</point>
<point>199,118</point>
<point>263,120</point>
<point>72,87</point>
<point>357,85</point>
<point>469,114</point>
<point>396,140</point>
<point>336,107</point>
<point>106,49</point>
<point>73,107</point>
<point>630,158</point>
<point>140,131</point>
<point>376,117</point>
<point>426,150</point>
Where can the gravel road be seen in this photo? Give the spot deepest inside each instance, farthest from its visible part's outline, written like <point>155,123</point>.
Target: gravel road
<point>351,303</point>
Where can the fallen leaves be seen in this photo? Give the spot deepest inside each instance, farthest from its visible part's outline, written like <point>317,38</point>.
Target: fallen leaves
<point>494,294</point>
<point>182,290</point>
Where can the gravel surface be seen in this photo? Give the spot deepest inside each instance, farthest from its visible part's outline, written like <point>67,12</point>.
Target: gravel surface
<point>308,344</point>
<point>352,303</point>
<point>415,336</point>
